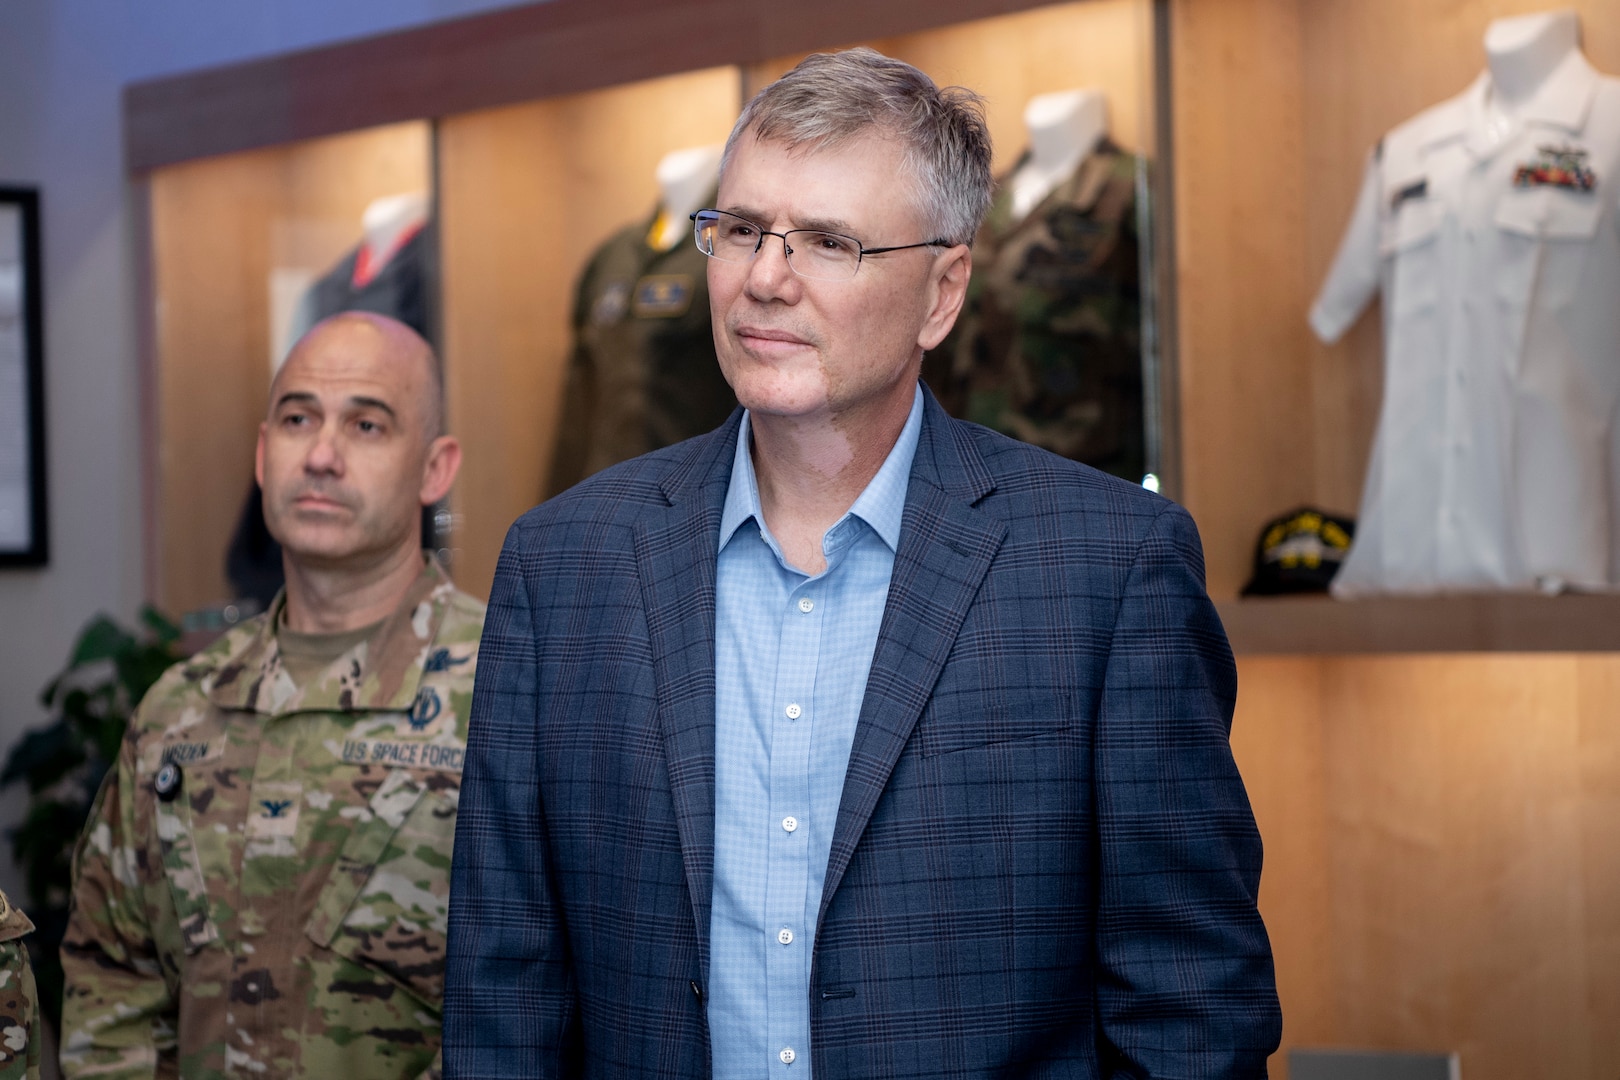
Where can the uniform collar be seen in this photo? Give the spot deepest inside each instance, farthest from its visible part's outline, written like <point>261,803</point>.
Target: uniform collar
<point>651,226</point>
<point>1563,101</point>
<point>380,673</point>
<point>1080,189</point>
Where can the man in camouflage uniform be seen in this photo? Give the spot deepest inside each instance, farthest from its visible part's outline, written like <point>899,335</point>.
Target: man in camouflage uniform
<point>1048,346</point>
<point>262,888</point>
<point>642,374</point>
<point>19,1001</point>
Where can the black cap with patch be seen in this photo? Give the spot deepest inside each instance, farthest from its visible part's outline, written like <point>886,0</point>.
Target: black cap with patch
<point>1299,552</point>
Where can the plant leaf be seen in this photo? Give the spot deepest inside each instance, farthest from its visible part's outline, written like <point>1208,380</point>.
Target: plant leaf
<point>103,639</point>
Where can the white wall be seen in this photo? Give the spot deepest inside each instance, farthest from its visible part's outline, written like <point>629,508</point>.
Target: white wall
<point>63,65</point>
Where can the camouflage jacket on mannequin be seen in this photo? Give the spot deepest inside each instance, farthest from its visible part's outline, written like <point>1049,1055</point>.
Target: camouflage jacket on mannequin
<point>1048,345</point>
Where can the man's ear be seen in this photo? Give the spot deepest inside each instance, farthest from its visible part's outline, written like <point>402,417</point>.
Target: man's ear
<point>258,458</point>
<point>439,471</point>
<point>948,284</point>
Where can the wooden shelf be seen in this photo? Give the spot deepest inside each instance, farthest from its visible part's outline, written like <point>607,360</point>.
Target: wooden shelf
<point>1449,624</point>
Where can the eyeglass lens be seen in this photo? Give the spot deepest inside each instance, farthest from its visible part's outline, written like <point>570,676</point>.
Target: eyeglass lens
<point>810,252</point>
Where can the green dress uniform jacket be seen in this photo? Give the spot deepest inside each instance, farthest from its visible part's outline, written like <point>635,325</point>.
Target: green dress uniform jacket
<point>642,374</point>
<point>1048,346</point>
<point>263,886</point>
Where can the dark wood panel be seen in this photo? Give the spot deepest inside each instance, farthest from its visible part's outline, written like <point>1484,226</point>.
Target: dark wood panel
<point>1510,623</point>
<point>483,61</point>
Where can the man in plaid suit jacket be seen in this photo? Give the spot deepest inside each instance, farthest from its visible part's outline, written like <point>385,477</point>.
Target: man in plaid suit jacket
<point>1041,859</point>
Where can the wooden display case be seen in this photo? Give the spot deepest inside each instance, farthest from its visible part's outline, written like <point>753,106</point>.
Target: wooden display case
<point>526,191</point>
<point>234,240</point>
<point>1437,782</point>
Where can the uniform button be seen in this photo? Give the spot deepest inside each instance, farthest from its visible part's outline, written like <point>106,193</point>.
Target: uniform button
<point>794,712</point>
<point>787,1055</point>
<point>807,605</point>
<point>790,823</point>
<point>785,936</point>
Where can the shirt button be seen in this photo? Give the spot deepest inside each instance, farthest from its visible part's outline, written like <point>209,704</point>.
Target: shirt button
<point>807,605</point>
<point>785,936</point>
<point>787,1055</point>
<point>794,712</point>
<point>790,823</point>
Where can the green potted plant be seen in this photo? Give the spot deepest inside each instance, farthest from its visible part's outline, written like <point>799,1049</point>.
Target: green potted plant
<point>63,763</point>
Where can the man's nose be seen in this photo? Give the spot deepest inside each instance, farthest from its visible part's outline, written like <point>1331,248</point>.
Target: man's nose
<point>769,275</point>
<point>325,456</point>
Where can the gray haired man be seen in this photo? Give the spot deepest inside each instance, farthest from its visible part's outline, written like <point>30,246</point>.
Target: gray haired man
<point>851,739</point>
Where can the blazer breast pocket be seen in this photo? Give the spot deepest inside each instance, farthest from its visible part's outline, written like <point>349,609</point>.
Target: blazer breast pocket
<point>962,721</point>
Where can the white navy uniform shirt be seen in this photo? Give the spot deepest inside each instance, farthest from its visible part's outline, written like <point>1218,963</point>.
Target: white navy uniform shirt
<point>1496,464</point>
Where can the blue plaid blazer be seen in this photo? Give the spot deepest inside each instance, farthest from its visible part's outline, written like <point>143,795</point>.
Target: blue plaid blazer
<point>1044,861</point>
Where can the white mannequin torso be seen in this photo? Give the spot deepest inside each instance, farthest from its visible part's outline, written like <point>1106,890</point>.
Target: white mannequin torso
<point>1063,128</point>
<point>685,179</point>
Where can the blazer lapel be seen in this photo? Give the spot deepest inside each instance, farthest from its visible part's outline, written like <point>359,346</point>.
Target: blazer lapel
<point>946,547</point>
<point>676,551</point>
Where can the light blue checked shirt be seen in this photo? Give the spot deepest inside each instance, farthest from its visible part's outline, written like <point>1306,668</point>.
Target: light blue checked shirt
<point>792,654</point>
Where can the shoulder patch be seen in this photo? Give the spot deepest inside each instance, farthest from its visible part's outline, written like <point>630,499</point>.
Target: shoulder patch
<point>13,923</point>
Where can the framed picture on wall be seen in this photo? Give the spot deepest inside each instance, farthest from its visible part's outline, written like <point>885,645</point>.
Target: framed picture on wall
<point>23,535</point>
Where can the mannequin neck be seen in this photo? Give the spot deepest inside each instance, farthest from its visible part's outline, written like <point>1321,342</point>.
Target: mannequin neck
<point>1063,128</point>
<point>685,179</point>
<point>1523,53</point>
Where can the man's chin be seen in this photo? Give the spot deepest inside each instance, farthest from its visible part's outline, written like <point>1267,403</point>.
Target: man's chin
<point>784,399</point>
<point>323,547</point>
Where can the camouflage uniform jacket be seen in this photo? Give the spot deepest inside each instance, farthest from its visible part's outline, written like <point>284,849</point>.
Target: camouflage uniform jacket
<point>263,885</point>
<point>1048,346</point>
<point>642,374</point>
<point>19,1001</point>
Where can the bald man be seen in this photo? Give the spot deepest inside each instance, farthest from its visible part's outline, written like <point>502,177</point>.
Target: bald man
<point>262,887</point>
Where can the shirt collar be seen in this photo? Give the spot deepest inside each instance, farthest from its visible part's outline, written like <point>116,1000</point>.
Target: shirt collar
<point>1566,97</point>
<point>881,505</point>
<point>1563,101</point>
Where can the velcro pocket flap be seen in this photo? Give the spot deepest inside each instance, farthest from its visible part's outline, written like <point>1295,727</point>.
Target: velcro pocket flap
<point>387,904</point>
<point>1549,213</point>
<point>183,867</point>
<point>387,810</point>
<point>1414,222</point>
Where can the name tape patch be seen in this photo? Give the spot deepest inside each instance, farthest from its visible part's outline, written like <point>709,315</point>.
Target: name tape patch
<point>414,755</point>
<point>182,754</point>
